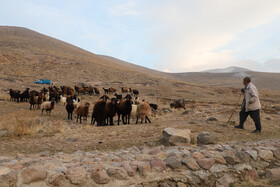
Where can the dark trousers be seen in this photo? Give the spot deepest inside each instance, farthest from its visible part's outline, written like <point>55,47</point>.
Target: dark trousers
<point>255,115</point>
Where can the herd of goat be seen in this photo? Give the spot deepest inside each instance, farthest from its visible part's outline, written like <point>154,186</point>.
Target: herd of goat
<point>104,109</point>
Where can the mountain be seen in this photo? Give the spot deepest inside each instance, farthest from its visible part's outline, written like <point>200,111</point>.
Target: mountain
<point>231,69</point>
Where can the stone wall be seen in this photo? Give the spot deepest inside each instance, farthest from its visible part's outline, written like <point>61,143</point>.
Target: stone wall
<point>206,165</point>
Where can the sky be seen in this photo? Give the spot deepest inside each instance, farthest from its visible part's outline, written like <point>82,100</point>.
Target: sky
<point>170,36</point>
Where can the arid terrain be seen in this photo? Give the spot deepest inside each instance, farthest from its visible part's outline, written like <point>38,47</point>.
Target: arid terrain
<point>26,56</point>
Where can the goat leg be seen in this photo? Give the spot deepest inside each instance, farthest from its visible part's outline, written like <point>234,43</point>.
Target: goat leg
<point>147,119</point>
<point>92,122</point>
<point>111,121</point>
<point>128,117</point>
<point>124,122</point>
<point>119,119</point>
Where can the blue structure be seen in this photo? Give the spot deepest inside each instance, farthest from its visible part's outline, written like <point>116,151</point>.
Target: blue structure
<point>43,81</point>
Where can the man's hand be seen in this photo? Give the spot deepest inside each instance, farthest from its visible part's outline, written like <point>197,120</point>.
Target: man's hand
<point>243,90</point>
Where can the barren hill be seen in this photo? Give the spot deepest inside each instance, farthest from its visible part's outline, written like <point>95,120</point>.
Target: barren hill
<point>264,81</point>
<point>27,55</point>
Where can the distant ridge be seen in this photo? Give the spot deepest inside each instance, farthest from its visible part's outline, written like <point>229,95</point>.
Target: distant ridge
<point>231,69</point>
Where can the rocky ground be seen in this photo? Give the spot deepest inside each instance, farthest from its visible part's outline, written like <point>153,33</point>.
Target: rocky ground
<point>206,165</point>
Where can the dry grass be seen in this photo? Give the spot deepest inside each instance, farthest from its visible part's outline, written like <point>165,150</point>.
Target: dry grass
<point>22,123</point>
<point>256,183</point>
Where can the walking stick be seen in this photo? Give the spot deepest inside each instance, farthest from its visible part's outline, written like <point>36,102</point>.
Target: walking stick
<point>234,108</point>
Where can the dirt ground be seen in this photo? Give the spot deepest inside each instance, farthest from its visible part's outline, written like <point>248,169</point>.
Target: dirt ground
<point>69,136</point>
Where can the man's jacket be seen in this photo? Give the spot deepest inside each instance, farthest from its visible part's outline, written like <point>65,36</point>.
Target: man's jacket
<point>251,95</point>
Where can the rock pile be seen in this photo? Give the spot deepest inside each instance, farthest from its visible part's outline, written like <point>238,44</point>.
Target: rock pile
<point>208,165</point>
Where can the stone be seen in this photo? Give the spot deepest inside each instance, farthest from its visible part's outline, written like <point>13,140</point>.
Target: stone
<point>176,137</point>
<point>100,177</point>
<point>260,164</point>
<point>45,153</point>
<point>129,169</point>
<point>190,163</point>
<point>222,182</point>
<point>117,173</point>
<point>175,152</point>
<point>206,163</point>
<point>154,152</point>
<point>226,180</point>
<point>76,175</point>
<point>158,165</point>
<point>9,179</point>
<point>143,157</point>
<point>266,155</point>
<point>164,185</point>
<point>252,174</point>
<point>261,173</point>
<point>144,168</point>
<point>186,152</point>
<point>30,175</point>
<point>219,168</point>
<point>58,179</point>
<point>197,155</point>
<point>276,154</point>
<point>212,119</point>
<point>253,154</point>
<point>173,162</point>
<point>72,139</point>
<point>220,160</point>
<point>273,174</point>
<point>243,156</point>
<point>231,159</point>
<point>202,174</point>
<point>242,167</point>
<point>207,138</point>
<point>180,184</point>
<point>3,132</point>
<point>4,170</point>
<point>162,155</point>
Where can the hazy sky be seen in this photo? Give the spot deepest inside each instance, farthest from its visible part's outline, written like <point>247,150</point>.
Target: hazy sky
<point>173,36</point>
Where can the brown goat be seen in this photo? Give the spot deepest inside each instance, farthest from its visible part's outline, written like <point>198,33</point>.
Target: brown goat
<point>82,111</point>
<point>112,90</point>
<point>143,111</point>
<point>111,110</point>
<point>98,112</point>
<point>124,108</point>
<point>124,90</point>
<point>96,90</point>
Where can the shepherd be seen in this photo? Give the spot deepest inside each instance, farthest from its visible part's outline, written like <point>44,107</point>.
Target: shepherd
<point>251,105</point>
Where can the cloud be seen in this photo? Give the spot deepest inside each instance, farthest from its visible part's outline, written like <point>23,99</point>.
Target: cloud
<point>270,65</point>
<point>191,34</point>
<point>128,8</point>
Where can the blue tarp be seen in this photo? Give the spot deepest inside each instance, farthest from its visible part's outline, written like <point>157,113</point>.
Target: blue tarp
<point>43,81</point>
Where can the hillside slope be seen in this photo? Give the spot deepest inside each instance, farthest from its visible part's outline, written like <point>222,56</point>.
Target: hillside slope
<point>27,55</point>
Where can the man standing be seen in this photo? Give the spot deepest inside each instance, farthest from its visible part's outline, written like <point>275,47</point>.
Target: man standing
<point>251,105</point>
